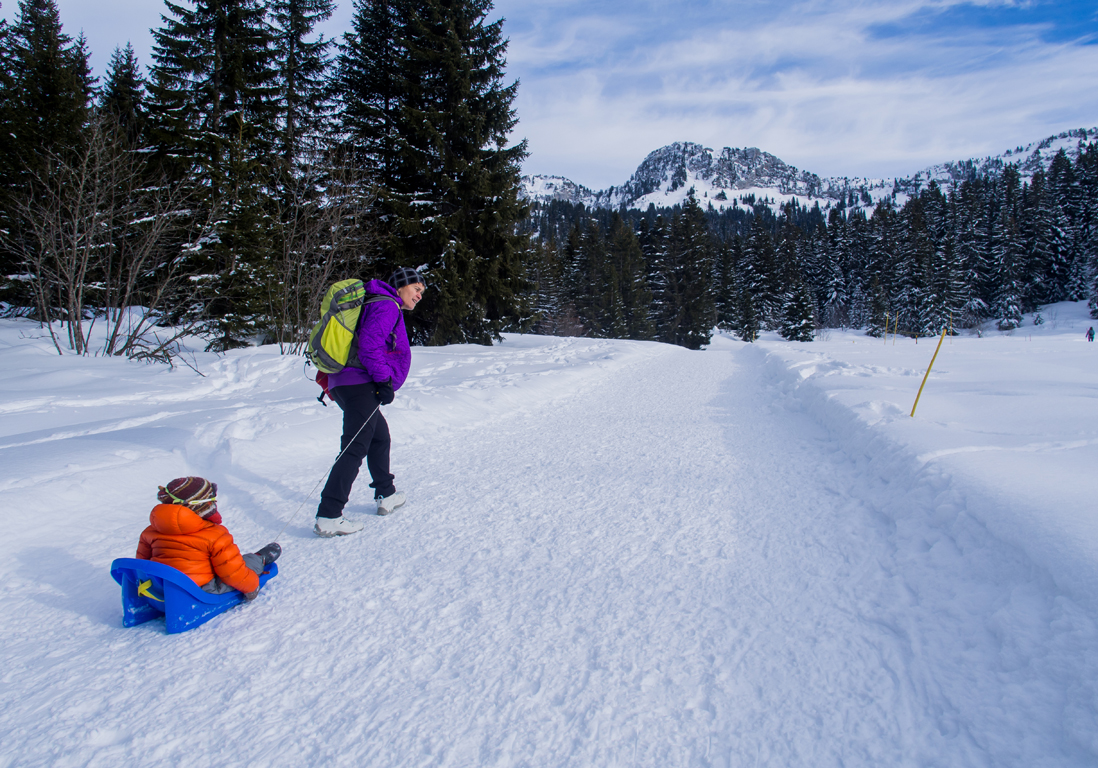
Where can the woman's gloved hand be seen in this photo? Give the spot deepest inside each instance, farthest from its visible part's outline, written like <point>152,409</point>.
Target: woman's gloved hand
<point>384,391</point>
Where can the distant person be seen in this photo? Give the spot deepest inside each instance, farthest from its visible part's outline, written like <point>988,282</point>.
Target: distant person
<point>185,532</point>
<point>384,357</point>
<point>1090,333</point>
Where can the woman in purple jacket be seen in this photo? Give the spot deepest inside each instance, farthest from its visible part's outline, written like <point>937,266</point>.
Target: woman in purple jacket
<point>360,390</point>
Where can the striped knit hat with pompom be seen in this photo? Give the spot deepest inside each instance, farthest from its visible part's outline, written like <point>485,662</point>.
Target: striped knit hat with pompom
<point>198,493</point>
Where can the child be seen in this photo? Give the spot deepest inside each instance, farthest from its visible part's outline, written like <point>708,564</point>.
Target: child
<point>186,533</point>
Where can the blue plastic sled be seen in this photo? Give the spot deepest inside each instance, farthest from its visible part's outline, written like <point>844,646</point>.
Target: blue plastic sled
<point>151,590</point>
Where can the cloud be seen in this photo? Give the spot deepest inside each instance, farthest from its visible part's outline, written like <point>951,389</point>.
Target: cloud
<point>844,88</point>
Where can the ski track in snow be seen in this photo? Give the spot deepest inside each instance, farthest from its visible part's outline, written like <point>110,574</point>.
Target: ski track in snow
<point>614,553</point>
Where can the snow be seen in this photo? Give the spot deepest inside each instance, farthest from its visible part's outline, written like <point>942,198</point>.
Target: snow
<point>613,553</point>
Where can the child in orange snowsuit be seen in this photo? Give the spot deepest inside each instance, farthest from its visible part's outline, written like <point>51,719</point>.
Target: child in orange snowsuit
<point>185,532</point>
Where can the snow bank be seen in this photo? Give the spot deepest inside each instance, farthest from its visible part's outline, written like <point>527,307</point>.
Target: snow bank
<point>614,553</point>
<point>1008,419</point>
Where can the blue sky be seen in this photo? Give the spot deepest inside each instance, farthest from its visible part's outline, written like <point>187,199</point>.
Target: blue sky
<point>836,87</point>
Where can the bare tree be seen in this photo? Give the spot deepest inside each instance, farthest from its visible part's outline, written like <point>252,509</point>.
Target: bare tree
<point>103,243</point>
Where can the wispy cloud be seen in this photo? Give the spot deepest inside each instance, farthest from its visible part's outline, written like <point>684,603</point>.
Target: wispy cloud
<point>848,87</point>
<point>853,88</point>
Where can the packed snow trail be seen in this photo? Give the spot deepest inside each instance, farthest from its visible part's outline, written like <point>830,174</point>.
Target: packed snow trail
<point>672,562</point>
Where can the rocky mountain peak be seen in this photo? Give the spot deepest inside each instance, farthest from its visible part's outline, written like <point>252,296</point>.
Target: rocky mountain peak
<point>734,176</point>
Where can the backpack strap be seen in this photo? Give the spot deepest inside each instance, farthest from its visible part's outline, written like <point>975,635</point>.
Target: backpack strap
<point>374,298</point>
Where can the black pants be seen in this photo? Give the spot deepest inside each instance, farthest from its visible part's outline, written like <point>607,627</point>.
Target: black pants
<point>358,402</point>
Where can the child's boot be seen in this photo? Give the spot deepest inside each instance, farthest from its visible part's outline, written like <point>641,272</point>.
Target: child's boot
<point>270,553</point>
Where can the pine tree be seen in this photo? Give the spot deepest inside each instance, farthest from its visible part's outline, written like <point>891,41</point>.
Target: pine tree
<point>915,300</point>
<point>654,244</point>
<point>760,275</point>
<point>689,270</point>
<point>123,95</point>
<point>971,257</point>
<point>836,300</point>
<point>303,65</point>
<point>590,290</point>
<point>371,83</point>
<point>1049,265</point>
<point>214,89</point>
<point>747,321</point>
<point>545,272</point>
<point>213,107</point>
<point>50,94</point>
<point>629,272</point>
<point>797,320</point>
<point>727,284</point>
<point>449,181</point>
<point>44,108</point>
<point>877,314</point>
<point>1009,256</point>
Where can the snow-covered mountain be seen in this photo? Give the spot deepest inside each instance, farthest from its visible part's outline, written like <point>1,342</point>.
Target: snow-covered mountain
<point>741,176</point>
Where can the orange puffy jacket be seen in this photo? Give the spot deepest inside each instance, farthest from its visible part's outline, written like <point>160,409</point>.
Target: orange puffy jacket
<point>180,538</point>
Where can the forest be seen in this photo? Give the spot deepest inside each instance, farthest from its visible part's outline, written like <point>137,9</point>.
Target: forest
<point>221,188</point>
<point>981,255</point>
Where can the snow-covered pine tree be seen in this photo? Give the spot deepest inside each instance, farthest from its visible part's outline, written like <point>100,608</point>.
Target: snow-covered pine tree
<point>1087,174</point>
<point>970,255</point>
<point>213,91</point>
<point>213,109</point>
<point>797,321</point>
<point>544,270</point>
<point>1008,255</point>
<point>727,283</point>
<point>654,242</point>
<point>760,275</point>
<point>945,274</point>
<point>836,301</point>
<point>747,319</point>
<point>914,298</point>
<point>1048,268</point>
<point>877,321</point>
<point>855,268</point>
<point>689,268</point>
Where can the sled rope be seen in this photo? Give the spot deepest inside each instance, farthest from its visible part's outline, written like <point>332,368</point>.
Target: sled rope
<point>321,480</point>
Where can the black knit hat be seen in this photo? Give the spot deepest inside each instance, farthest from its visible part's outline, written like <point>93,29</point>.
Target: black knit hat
<point>406,276</point>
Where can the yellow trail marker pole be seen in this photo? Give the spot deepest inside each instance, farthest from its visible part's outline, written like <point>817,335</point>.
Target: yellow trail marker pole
<point>886,329</point>
<point>925,377</point>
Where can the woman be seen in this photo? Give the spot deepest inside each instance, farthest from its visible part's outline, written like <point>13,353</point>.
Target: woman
<point>384,357</point>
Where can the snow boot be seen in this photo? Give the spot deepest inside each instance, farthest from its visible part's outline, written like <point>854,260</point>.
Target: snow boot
<point>386,505</point>
<point>327,527</point>
<point>270,553</point>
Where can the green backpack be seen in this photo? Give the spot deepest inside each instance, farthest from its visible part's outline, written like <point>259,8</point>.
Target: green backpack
<point>332,340</point>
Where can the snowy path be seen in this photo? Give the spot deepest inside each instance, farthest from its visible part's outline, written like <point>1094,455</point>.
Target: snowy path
<point>674,563</point>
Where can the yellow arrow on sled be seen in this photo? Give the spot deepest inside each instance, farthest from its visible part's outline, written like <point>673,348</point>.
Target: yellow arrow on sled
<point>143,590</point>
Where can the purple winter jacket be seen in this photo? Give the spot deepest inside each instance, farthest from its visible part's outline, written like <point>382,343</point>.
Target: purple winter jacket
<point>383,348</point>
